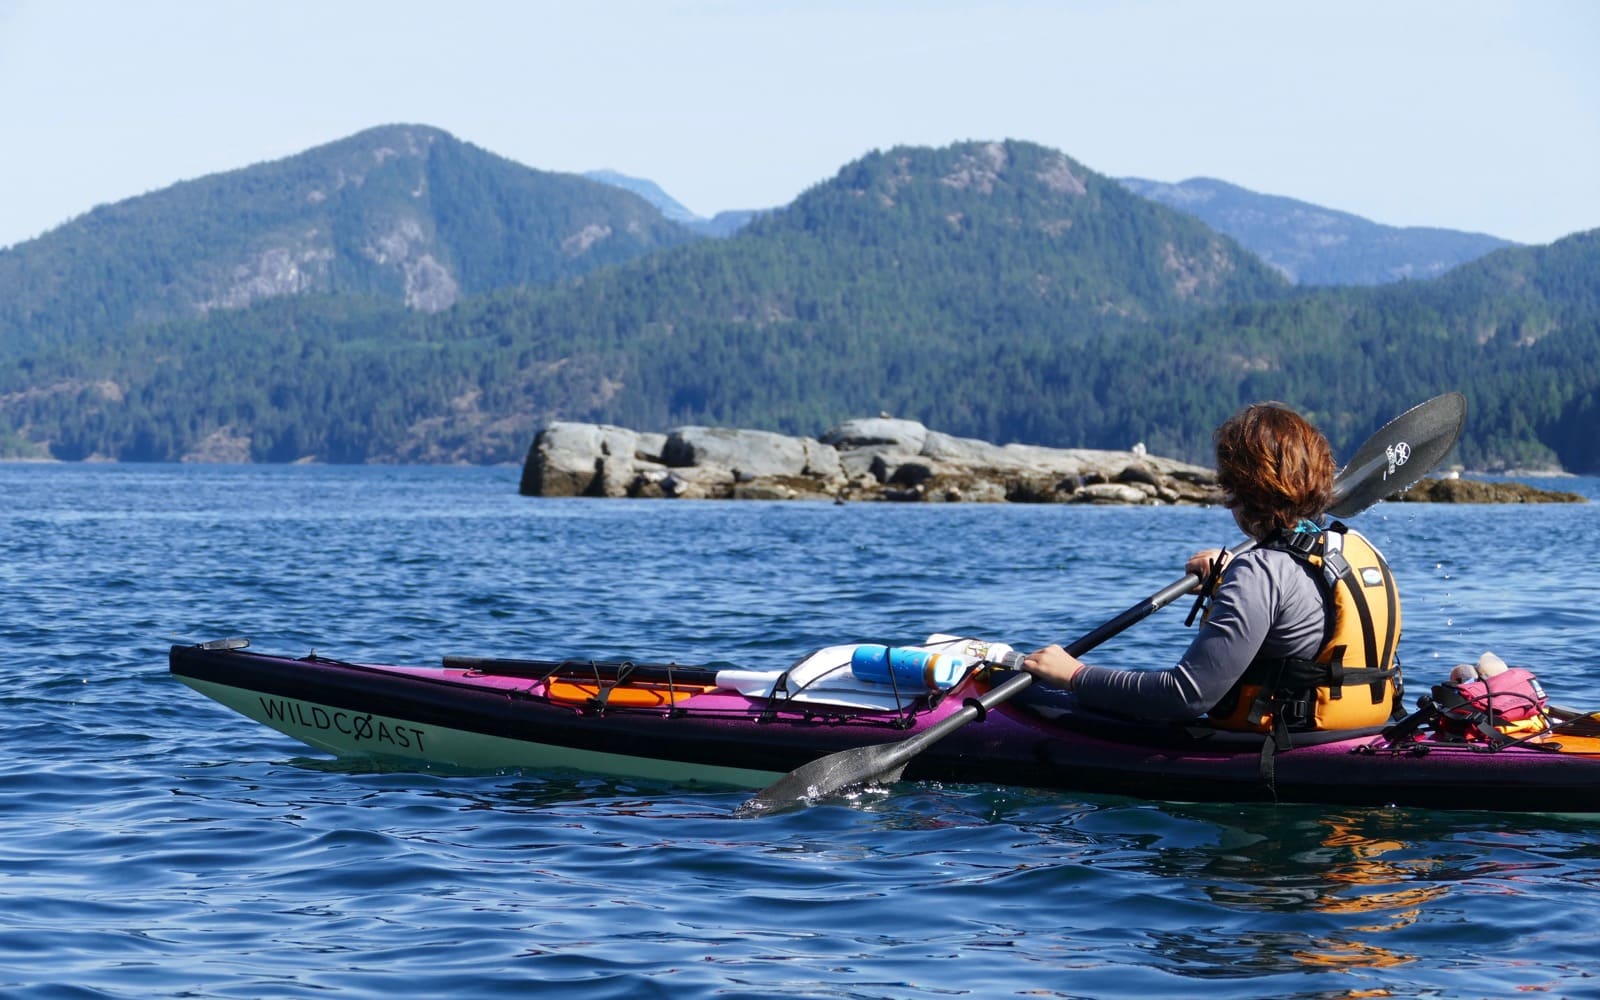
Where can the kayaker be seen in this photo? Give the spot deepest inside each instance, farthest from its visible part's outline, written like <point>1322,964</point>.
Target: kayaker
<point>1275,621</point>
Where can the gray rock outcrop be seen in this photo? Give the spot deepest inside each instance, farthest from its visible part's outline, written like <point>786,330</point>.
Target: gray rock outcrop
<point>877,458</point>
<point>586,460</point>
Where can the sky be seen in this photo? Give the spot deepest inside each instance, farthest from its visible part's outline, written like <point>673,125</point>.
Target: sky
<point>1477,115</point>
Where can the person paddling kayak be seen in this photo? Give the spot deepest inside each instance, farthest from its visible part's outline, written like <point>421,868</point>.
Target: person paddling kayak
<point>1301,631</point>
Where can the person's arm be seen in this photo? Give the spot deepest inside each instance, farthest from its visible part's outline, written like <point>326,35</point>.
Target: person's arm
<point>1054,665</point>
<point>1224,646</point>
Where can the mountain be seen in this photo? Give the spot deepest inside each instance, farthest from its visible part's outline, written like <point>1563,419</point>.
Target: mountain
<point>728,222</point>
<point>722,224</point>
<point>873,290</point>
<point>993,290</point>
<point>402,213</point>
<point>1318,246</point>
<point>889,287</point>
<point>648,190</point>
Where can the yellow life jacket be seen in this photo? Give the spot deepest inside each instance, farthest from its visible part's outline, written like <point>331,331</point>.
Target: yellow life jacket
<point>1354,680</point>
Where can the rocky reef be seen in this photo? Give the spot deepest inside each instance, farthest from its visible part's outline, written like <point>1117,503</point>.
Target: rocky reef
<point>882,458</point>
<point>877,458</point>
<point>1481,491</point>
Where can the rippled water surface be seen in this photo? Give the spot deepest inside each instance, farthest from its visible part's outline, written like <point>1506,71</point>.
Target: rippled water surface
<point>154,844</point>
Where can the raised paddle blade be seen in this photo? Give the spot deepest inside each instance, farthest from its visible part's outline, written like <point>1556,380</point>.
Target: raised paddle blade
<point>1402,452</point>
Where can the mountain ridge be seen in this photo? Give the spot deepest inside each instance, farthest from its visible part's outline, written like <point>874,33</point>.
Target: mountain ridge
<point>1313,245</point>
<point>1307,243</point>
<point>724,223</point>
<point>995,290</point>
<point>402,211</point>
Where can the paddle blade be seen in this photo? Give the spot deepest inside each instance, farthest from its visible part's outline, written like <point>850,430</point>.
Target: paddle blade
<point>1405,450</point>
<point>830,775</point>
<point>881,762</point>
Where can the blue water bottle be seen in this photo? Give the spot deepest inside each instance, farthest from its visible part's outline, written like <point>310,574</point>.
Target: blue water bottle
<point>914,669</point>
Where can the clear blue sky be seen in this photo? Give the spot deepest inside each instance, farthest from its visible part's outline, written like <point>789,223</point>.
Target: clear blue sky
<point>1480,116</point>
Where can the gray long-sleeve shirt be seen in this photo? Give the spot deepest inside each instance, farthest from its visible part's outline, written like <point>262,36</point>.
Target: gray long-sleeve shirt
<point>1268,603</point>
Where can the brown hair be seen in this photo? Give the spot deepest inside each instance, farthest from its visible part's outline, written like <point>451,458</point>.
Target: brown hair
<point>1274,466</point>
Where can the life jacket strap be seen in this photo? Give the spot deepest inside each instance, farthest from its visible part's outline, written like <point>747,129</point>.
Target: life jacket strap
<point>1208,586</point>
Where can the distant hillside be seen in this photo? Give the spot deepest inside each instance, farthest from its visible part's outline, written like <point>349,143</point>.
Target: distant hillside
<point>728,222</point>
<point>867,293</point>
<point>1319,246</point>
<point>722,224</point>
<point>1518,331</point>
<point>1000,291</point>
<point>402,213</point>
<point>648,190</point>
<point>981,344</point>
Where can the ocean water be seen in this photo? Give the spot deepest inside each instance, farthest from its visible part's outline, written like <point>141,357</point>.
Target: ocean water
<point>153,844</point>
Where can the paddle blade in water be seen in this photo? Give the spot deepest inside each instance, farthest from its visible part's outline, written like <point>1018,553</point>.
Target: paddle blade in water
<point>830,775</point>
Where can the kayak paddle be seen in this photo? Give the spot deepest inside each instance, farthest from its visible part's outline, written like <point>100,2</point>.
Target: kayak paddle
<point>1400,453</point>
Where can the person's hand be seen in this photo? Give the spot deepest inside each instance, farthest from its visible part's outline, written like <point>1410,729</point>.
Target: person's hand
<point>1199,564</point>
<point>1053,665</point>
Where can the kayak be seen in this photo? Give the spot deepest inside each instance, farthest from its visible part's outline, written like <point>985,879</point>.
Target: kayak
<point>723,725</point>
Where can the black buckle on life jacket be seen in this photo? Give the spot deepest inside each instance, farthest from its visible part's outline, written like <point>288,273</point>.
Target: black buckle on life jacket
<point>1305,542</point>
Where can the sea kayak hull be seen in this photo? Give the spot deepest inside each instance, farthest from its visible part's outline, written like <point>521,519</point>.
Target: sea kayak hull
<point>475,719</point>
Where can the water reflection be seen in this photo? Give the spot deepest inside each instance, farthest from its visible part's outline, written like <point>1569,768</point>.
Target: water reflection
<point>1371,878</point>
